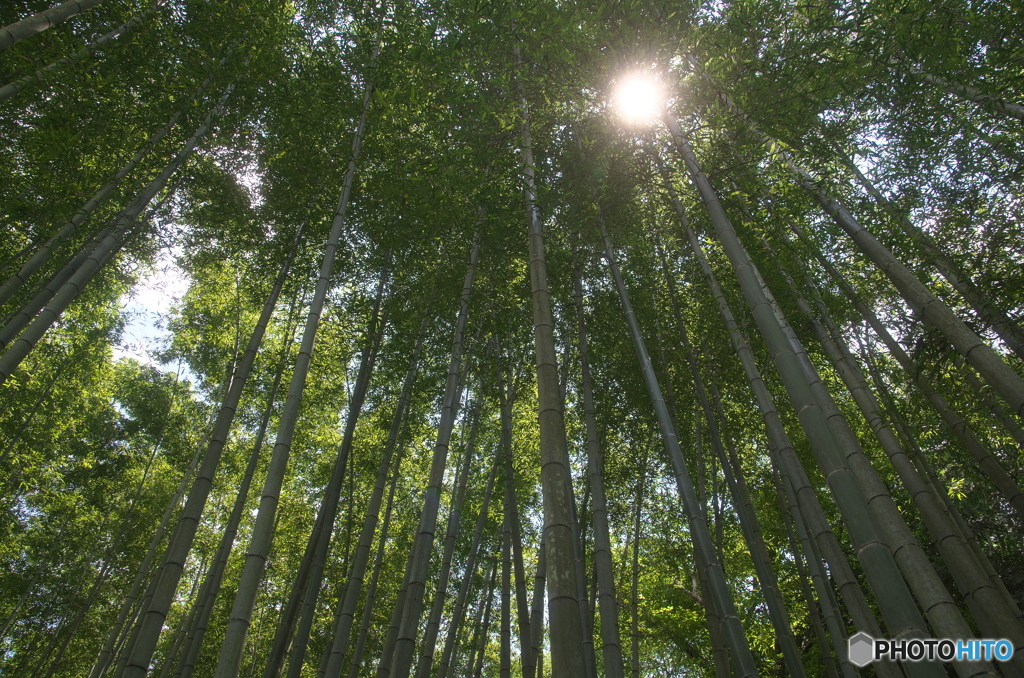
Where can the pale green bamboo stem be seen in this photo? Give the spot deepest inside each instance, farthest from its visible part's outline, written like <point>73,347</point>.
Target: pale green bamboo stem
<point>14,33</point>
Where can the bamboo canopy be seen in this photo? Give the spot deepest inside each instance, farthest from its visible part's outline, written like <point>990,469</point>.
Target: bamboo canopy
<point>415,338</point>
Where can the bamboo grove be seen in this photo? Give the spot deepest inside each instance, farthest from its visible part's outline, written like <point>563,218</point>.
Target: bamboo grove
<point>473,378</point>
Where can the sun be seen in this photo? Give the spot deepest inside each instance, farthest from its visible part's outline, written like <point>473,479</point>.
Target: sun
<point>639,98</point>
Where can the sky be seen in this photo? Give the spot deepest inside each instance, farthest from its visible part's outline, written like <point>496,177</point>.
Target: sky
<point>147,308</point>
<point>148,305</point>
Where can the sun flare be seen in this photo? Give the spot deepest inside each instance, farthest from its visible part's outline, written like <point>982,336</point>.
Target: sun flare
<point>639,98</point>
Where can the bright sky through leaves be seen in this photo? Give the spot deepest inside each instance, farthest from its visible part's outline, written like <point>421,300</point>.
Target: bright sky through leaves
<point>639,98</point>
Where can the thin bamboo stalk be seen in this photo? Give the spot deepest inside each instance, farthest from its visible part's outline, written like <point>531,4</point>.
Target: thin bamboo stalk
<point>40,75</point>
<point>405,645</point>
<point>230,659</point>
<point>702,542</point>
<point>338,647</point>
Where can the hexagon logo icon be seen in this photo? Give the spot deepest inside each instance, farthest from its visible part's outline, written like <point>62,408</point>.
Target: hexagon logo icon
<point>861,648</point>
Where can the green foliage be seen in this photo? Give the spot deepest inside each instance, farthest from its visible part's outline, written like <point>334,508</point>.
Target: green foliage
<point>94,446</point>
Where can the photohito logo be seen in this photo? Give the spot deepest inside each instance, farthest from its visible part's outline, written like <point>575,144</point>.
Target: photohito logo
<point>863,649</point>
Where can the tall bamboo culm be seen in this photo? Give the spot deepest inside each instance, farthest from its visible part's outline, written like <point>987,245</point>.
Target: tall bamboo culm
<point>123,226</point>
<point>401,663</point>
<point>891,592</point>
<point>229,661</point>
<point>342,629</point>
<point>742,657</point>
<point>566,630</point>
<point>14,33</point>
